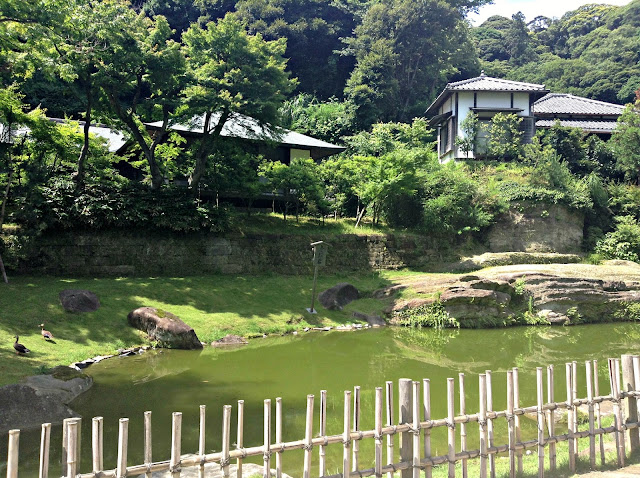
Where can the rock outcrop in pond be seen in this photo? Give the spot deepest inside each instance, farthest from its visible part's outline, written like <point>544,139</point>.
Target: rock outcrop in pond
<point>164,328</point>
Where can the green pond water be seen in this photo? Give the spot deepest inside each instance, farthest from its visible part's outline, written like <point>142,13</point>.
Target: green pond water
<point>291,367</point>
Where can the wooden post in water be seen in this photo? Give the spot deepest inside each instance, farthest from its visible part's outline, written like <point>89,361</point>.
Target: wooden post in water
<point>570,413</point>
<point>511,425</point>
<point>308,436</point>
<point>451,428</point>
<point>540,401</point>
<point>405,409</point>
<point>148,443</point>
<point>426,402</point>
<point>492,457</point>
<point>551,422</point>
<point>176,444</point>
<point>45,439</point>
<point>463,426</point>
<point>614,382</point>
<point>574,389</point>
<point>266,456</point>
<point>240,438</point>
<point>72,448</point>
<point>202,440</point>
<point>482,424</point>
<point>592,435</point>
<point>631,406</point>
<point>323,432</point>
<point>279,436</point>
<point>516,404</point>
<point>13,453</point>
<point>389,402</point>
<point>356,427</point>
<point>346,436</point>
<point>97,443</point>
<point>65,441</point>
<point>123,444</point>
<point>416,429</point>
<point>226,441</point>
<point>596,387</point>
<point>378,433</point>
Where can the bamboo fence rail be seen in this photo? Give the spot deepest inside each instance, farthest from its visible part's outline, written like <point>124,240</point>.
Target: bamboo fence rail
<point>415,424</point>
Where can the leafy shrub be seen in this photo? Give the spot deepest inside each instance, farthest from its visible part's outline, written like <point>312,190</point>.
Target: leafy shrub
<point>430,315</point>
<point>58,206</point>
<point>622,243</point>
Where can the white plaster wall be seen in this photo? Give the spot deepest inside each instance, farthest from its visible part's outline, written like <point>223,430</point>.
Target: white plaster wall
<point>493,99</point>
<point>465,103</point>
<point>521,100</point>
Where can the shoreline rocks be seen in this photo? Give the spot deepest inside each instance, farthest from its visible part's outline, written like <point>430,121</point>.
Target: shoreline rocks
<point>165,328</point>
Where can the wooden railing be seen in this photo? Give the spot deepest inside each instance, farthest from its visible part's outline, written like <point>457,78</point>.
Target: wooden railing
<point>414,426</point>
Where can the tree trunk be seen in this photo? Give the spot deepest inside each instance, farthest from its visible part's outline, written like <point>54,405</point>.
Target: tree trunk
<point>206,147</point>
<point>2,213</point>
<point>84,152</point>
<point>361,215</point>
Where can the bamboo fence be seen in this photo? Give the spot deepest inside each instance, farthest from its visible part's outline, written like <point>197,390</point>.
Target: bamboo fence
<point>415,424</point>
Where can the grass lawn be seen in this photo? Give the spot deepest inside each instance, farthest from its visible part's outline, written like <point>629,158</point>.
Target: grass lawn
<point>214,306</point>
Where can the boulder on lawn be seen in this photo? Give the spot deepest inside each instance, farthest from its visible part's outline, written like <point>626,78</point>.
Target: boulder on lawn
<point>164,328</point>
<point>78,300</point>
<point>338,296</point>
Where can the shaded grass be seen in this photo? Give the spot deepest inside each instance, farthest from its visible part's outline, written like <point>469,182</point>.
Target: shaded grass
<point>213,305</point>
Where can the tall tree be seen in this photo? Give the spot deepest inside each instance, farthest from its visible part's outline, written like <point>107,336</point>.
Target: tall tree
<point>231,73</point>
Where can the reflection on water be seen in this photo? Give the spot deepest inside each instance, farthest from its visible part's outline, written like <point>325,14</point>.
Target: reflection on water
<point>292,367</point>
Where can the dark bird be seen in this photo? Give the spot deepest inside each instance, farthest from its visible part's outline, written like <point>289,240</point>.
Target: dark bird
<point>45,333</point>
<point>19,348</point>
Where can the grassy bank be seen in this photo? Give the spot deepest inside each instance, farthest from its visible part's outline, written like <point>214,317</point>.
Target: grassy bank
<point>213,305</point>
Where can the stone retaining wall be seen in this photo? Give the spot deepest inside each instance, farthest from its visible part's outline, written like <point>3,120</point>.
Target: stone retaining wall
<point>110,254</point>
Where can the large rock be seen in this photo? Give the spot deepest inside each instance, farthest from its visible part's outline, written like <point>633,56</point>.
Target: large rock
<point>478,299</point>
<point>41,399</point>
<point>338,296</point>
<point>77,300</point>
<point>164,328</point>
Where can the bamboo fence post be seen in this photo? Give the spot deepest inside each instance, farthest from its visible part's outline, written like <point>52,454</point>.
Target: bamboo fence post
<point>482,424</point>
<point>266,452</point>
<point>346,436</point>
<point>570,412</point>
<point>202,440</point>
<point>631,408</point>
<point>97,443</point>
<point>636,376</point>
<point>65,440</point>
<point>405,391</point>
<point>451,426</point>
<point>511,425</point>
<point>596,388</point>
<point>492,457</point>
<point>389,401</point>
<point>323,432</point>
<point>592,435</point>
<point>463,426</point>
<point>551,422</point>
<point>308,436</point>
<point>614,377</point>
<point>72,448</point>
<point>416,429</point>
<point>426,401</point>
<point>226,440</point>
<point>540,400</point>
<point>148,443</point>
<point>378,433</point>
<point>13,453</point>
<point>279,435</point>
<point>240,438</point>
<point>45,439</point>
<point>176,444</point>
<point>574,390</point>
<point>516,404</point>
<point>123,443</point>
<point>356,426</point>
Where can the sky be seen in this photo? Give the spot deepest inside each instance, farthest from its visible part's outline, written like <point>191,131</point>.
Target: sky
<point>533,8</point>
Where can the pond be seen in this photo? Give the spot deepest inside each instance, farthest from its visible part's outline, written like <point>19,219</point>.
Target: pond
<point>291,367</point>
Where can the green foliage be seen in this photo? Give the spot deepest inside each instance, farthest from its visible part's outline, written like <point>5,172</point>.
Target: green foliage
<point>626,143</point>
<point>623,242</point>
<point>470,128</point>
<point>431,315</point>
<point>59,206</point>
<point>504,137</point>
<point>329,120</point>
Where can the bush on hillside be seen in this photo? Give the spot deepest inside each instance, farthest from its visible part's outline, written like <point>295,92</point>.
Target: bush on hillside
<point>622,243</point>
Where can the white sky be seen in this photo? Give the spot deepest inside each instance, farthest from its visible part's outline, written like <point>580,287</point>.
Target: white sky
<point>533,8</point>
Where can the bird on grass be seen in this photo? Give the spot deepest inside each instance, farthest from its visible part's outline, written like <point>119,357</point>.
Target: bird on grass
<point>19,348</point>
<point>45,333</point>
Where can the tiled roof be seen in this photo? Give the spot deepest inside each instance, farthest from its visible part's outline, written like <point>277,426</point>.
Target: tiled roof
<point>487,83</point>
<point>240,126</point>
<point>561,103</point>
<point>587,126</point>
